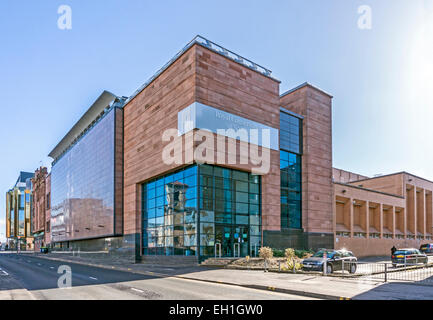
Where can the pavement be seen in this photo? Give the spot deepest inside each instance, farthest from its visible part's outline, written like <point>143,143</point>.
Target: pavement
<point>294,286</point>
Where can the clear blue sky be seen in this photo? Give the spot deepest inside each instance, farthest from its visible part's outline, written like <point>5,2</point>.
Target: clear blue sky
<point>381,78</point>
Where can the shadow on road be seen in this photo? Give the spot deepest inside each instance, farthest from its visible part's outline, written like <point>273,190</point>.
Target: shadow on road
<point>33,272</point>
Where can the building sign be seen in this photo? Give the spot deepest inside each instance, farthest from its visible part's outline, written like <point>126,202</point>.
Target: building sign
<point>200,116</point>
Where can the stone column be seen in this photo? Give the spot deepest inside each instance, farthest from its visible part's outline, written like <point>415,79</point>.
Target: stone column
<point>380,207</point>
<point>351,217</point>
<point>367,218</point>
<point>424,213</point>
<point>415,220</point>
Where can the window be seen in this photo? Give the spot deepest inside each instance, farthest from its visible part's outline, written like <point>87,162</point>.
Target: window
<point>290,170</point>
<point>21,222</point>
<point>21,201</point>
<point>187,220</point>
<point>48,201</point>
<point>290,133</point>
<point>170,214</point>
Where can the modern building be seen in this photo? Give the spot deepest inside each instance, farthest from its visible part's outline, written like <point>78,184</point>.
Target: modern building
<point>18,213</point>
<point>40,206</point>
<point>209,158</point>
<point>112,188</point>
<point>289,204</point>
<point>86,180</point>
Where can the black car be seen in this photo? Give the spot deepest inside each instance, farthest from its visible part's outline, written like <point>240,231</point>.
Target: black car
<point>335,259</point>
<point>408,256</point>
<point>426,248</point>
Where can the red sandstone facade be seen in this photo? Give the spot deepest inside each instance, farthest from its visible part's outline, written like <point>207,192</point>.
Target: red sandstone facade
<point>201,75</point>
<point>39,212</point>
<point>47,231</point>
<point>374,214</point>
<point>317,191</point>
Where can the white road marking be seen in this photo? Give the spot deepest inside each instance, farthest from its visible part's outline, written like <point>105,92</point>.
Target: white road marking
<point>138,290</point>
<point>4,272</point>
<point>51,267</point>
<point>93,278</point>
<point>39,264</point>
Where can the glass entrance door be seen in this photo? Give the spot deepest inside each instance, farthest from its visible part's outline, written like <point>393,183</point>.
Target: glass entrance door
<point>224,235</point>
<point>240,237</point>
<point>233,239</point>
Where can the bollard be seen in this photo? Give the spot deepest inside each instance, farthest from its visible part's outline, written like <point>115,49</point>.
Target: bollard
<point>325,258</point>
<point>386,272</point>
<point>279,266</point>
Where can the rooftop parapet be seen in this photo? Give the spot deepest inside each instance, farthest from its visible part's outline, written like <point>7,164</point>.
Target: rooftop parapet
<point>211,46</point>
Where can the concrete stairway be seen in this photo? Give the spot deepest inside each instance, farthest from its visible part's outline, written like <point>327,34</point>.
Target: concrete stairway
<point>179,261</point>
<point>218,262</point>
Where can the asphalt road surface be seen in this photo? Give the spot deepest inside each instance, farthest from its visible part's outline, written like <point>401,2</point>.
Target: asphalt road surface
<point>27,277</point>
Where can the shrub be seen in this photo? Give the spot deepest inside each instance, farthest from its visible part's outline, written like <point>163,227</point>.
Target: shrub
<point>278,253</point>
<point>266,253</point>
<point>302,254</point>
<point>289,253</point>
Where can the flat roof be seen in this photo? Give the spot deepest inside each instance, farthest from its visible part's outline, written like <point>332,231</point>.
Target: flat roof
<point>291,113</point>
<point>102,102</point>
<point>392,174</point>
<point>370,190</point>
<point>24,176</point>
<point>213,47</point>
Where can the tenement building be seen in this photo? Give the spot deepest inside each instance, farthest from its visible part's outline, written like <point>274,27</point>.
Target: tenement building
<point>18,213</point>
<point>208,158</point>
<point>40,208</point>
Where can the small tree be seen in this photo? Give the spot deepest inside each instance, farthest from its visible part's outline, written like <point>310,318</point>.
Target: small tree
<point>266,253</point>
<point>290,256</point>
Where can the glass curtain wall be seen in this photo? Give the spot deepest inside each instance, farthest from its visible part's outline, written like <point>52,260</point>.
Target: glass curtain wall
<point>82,185</point>
<point>189,211</point>
<point>291,170</point>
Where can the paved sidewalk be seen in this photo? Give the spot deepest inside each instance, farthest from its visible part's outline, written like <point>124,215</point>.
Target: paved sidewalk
<point>314,286</point>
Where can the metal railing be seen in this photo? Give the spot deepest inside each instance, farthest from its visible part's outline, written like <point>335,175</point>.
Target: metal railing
<point>236,253</point>
<point>256,251</point>
<point>218,249</point>
<point>420,273</point>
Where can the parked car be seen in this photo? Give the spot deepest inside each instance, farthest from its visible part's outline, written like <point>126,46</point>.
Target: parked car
<point>408,256</point>
<point>426,248</point>
<point>44,250</point>
<point>334,261</point>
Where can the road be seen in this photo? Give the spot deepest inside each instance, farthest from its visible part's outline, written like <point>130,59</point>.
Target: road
<point>23,276</point>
